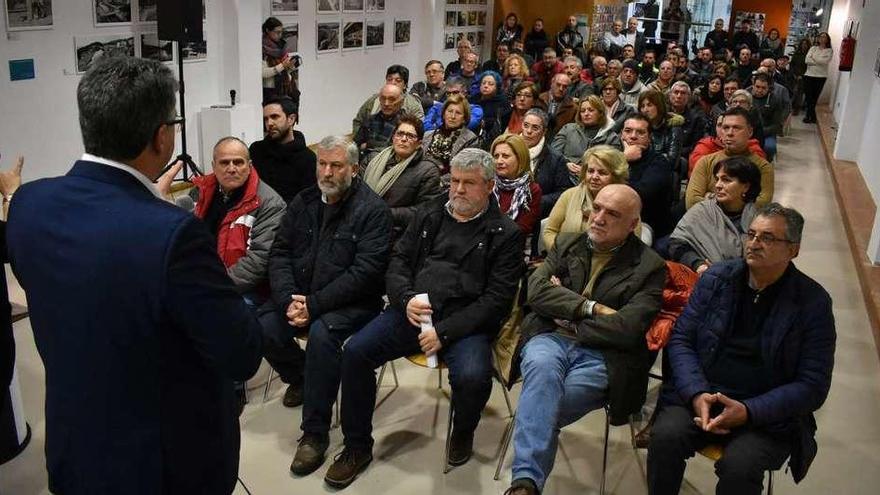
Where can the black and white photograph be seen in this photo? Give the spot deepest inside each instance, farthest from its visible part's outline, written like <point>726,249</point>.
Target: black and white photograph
<point>472,18</point>
<point>328,6</point>
<point>462,19</point>
<point>290,36</point>
<point>352,5</point>
<point>352,35</point>
<point>285,7</point>
<point>458,37</point>
<point>26,15</point>
<point>328,37</point>
<point>375,33</point>
<point>472,37</point>
<point>153,48</point>
<point>481,38</point>
<point>112,12</point>
<point>481,18</point>
<point>451,19</point>
<point>89,49</point>
<point>147,10</point>
<point>402,32</point>
<point>449,41</point>
<point>194,51</point>
<point>375,5</point>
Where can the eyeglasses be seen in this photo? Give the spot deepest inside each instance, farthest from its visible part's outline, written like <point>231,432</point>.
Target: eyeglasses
<point>763,238</point>
<point>175,123</point>
<point>408,136</point>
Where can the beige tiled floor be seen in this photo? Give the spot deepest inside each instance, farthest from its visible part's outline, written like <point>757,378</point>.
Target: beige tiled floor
<point>410,425</point>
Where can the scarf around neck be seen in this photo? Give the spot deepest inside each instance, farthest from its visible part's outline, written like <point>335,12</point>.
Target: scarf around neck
<point>522,194</point>
<point>380,180</point>
<point>534,152</point>
<point>272,48</point>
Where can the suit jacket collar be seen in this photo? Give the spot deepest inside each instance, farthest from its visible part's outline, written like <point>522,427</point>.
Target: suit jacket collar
<point>112,175</point>
<point>137,174</point>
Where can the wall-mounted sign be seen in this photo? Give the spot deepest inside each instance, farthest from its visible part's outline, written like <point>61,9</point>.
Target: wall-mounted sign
<point>20,70</point>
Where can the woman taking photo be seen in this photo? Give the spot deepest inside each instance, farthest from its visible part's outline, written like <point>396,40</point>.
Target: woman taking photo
<point>817,60</point>
<point>440,145</point>
<point>279,64</point>
<point>601,165</point>
<point>518,195</point>
<point>615,107</point>
<point>400,176</point>
<point>666,129</point>
<point>591,127</point>
<point>712,230</point>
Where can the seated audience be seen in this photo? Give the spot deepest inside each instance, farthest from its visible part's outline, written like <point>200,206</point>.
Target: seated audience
<point>455,86</point>
<point>601,165</point>
<point>650,174</point>
<point>684,73</point>
<point>470,292</point>
<point>515,71</point>
<point>694,127</point>
<point>713,143</point>
<point>772,45</point>
<point>768,65</point>
<point>526,96</point>
<point>502,51</point>
<point>736,129</point>
<point>632,86</point>
<point>744,65</point>
<point>548,166</point>
<point>443,143</point>
<point>629,52</point>
<point>282,159</point>
<point>468,72</point>
<point>397,75</point>
<point>666,127</point>
<point>591,127</point>
<point>710,94</point>
<point>518,49</point>
<point>543,71</point>
<point>712,230</point>
<point>462,47</point>
<point>724,70</point>
<point>561,108</point>
<point>491,100</point>
<point>373,133</point>
<point>615,107</point>
<point>647,70</point>
<point>598,68</point>
<point>702,65</point>
<point>743,99</point>
<point>614,67</point>
<point>718,38</point>
<point>326,270</point>
<point>516,191</point>
<point>581,83</point>
<point>731,85</point>
<point>751,359</point>
<point>745,36</point>
<point>536,39</point>
<point>432,89</point>
<point>664,79</point>
<point>634,38</point>
<point>400,175</point>
<point>773,108</point>
<point>592,301</point>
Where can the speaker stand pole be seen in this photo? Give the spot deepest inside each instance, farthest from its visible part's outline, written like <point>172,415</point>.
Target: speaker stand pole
<point>189,169</point>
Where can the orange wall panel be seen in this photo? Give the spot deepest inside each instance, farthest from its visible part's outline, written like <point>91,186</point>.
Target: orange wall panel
<point>778,13</point>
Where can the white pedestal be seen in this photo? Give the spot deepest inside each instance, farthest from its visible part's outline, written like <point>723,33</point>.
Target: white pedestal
<point>241,121</point>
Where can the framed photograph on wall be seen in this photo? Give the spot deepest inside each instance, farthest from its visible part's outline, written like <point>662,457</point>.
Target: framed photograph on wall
<point>285,7</point>
<point>112,12</point>
<point>146,11</point>
<point>89,49</point>
<point>290,36</point>
<point>328,37</point>
<point>152,48</point>
<point>352,35</point>
<point>375,5</point>
<point>352,5</point>
<point>328,6</point>
<point>375,33</point>
<point>195,51</point>
<point>28,15</point>
<point>402,32</point>
<point>449,41</point>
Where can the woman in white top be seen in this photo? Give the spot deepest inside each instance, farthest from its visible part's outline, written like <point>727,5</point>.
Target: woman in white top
<point>817,60</point>
<point>279,64</point>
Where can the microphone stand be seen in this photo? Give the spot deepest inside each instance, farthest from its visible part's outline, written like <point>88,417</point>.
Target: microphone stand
<point>189,169</point>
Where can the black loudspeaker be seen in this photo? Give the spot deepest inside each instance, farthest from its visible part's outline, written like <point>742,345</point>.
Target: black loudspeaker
<point>179,20</point>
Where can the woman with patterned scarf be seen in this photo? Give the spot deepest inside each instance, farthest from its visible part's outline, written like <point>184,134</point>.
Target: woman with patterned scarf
<point>518,195</point>
<point>278,63</point>
<point>440,145</point>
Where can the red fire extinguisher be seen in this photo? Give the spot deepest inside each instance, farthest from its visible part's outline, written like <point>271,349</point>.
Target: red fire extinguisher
<point>847,50</point>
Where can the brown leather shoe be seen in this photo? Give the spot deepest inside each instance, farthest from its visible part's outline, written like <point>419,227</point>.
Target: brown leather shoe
<point>522,486</point>
<point>461,447</point>
<point>310,454</point>
<point>293,396</point>
<point>347,466</point>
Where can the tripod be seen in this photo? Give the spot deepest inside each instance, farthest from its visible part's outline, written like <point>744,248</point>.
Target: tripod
<point>189,169</point>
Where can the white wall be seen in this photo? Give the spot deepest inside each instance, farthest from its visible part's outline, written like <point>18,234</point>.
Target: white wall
<point>40,115</point>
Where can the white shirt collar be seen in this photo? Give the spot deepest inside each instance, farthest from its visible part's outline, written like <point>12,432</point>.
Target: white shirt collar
<point>143,179</point>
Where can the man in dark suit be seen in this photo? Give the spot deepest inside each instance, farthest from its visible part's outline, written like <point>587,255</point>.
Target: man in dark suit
<point>140,329</point>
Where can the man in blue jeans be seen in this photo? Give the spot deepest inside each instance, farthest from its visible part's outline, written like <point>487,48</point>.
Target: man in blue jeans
<point>592,301</point>
<point>468,257</point>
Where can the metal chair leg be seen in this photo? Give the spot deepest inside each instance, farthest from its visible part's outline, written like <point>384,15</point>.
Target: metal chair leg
<point>446,466</point>
<point>507,400</point>
<point>394,374</point>
<point>439,378</point>
<point>268,383</point>
<point>336,409</point>
<point>505,444</point>
<point>770,483</point>
<point>605,452</point>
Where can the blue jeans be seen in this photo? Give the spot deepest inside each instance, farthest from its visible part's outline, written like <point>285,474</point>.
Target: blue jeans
<point>390,336</point>
<point>770,147</point>
<point>562,381</point>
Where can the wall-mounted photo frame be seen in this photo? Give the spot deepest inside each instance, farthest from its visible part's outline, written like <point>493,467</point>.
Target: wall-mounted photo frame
<point>353,35</point>
<point>285,7</point>
<point>290,36</point>
<point>328,37</point>
<point>147,11</point>
<point>152,48</point>
<point>353,6</point>
<point>449,41</point>
<point>194,51</point>
<point>328,6</point>
<point>375,33</point>
<point>402,32</point>
<point>28,15</point>
<point>87,50</point>
<point>375,6</point>
<point>112,12</point>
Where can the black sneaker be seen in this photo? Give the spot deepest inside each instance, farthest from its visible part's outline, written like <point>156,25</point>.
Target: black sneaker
<point>293,396</point>
<point>310,454</point>
<point>346,466</point>
<point>522,486</point>
<point>461,447</point>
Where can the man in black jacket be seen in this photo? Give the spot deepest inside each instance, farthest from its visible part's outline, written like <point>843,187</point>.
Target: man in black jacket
<point>467,257</point>
<point>282,159</point>
<point>592,301</point>
<point>650,174</point>
<point>326,271</point>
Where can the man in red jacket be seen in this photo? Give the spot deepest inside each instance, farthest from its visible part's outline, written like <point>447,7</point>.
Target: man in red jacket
<point>712,144</point>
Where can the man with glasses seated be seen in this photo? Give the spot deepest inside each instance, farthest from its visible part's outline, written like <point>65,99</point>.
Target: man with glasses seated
<point>432,89</point>
<point>454,86</point>
<point>751,359</point>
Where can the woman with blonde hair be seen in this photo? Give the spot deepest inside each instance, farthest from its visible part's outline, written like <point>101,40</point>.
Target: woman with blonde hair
<point>592,126</point>
<point>515,71</point>
<point>516,191</point>
<point>601,165</point>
